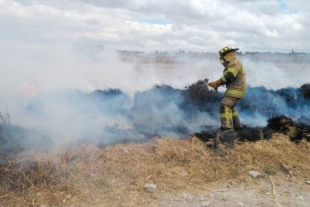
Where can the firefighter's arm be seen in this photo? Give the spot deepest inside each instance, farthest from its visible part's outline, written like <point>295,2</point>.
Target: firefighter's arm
<point>229,75</point>
<point>216,83</point>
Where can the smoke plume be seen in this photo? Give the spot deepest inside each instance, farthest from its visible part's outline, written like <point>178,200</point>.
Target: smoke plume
<point>60,95</point>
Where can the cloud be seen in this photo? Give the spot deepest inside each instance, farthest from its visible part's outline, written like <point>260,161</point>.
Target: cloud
<point>130,24</point>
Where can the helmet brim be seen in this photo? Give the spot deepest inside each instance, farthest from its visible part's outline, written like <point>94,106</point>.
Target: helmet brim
<point>232,50</point>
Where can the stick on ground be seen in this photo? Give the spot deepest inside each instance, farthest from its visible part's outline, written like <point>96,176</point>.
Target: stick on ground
<point>288,171</point>
<point>274,192</point>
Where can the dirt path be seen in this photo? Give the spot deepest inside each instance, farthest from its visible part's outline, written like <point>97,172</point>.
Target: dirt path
<point>283,193</point>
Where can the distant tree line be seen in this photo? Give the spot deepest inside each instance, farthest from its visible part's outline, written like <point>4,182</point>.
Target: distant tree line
<point>182,52</point>
<point>169,57</point>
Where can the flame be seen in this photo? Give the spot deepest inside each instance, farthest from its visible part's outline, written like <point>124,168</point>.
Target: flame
<point>29,89</point>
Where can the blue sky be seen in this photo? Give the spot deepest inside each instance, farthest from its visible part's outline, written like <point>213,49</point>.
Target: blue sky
<point>283,5</point>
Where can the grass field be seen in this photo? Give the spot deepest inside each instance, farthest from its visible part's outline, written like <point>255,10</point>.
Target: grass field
<point>85,175</point>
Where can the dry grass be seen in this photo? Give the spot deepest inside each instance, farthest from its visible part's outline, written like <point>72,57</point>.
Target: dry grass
<point>86,175</point>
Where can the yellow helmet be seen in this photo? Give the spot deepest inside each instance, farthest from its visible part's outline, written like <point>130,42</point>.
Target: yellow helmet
<point>227,49</point>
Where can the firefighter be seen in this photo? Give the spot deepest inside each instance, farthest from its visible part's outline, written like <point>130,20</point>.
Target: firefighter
<point>234,77</point>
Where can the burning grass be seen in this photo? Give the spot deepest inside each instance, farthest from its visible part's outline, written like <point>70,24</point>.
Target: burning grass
<point>296,131</point>
<point>199,94</point>
<point>88,175</point>
<point>305,89</point>
<point>279,124</point>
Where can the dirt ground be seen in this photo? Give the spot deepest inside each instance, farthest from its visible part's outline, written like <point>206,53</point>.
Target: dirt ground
<point>266,191</point>
<point>262,194</point>
<point>283,193</point>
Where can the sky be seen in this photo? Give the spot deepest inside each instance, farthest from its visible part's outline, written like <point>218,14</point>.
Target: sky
<point>164,25</point>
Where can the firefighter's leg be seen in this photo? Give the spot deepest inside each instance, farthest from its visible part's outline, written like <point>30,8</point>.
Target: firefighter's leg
<point>227,112</point>
<point>227,135</point>
<point>226,117</point>
<point>236,121</point>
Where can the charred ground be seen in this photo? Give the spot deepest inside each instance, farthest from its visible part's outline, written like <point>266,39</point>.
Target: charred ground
<point>166,111</point>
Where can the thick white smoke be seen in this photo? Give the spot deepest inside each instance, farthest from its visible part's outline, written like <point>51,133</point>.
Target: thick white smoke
<point>45,87</point>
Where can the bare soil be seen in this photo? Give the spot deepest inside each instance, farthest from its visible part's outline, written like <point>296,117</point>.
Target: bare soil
<point>284,193</point>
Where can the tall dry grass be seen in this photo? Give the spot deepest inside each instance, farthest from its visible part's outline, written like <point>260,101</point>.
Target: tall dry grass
<point>86,175</point>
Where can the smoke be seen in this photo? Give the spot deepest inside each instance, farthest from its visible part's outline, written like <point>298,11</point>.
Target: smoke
<point>278,72</point>
<point>65,94</point>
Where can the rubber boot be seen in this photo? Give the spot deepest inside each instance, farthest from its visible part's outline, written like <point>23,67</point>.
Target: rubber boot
<point>227,137</point>
<point>236,123</point>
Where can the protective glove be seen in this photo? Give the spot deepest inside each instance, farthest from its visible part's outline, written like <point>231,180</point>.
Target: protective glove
<point>215,84</point>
